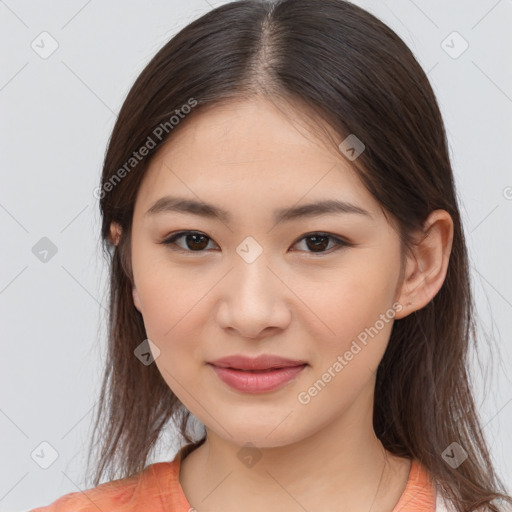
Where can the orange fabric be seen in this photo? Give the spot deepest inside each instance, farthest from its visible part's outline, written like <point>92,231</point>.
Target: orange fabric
<point>419,494</point>
<point>157,489</point>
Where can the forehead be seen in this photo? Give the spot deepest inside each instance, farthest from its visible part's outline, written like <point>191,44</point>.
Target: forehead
<point>251,128</point>
<point>252,149</point>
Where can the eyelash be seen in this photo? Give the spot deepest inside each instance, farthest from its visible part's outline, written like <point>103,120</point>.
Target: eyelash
<point>339,243</point>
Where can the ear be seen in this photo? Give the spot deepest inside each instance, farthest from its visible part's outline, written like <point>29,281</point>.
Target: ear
<point>115,233</point>
<point>136,299</point>
<point>425,269</point>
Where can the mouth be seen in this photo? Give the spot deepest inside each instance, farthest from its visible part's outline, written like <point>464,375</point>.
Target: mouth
<point>257,380</point>
<point>264,362</point>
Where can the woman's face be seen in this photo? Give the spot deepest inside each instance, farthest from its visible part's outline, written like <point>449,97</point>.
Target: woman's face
<point>248,284</point>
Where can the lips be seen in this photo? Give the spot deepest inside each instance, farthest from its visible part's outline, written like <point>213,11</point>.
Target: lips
<point>265,362</point>
<point>261,374</point>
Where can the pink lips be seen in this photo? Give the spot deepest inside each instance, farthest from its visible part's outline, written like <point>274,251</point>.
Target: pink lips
<point>256,375</point>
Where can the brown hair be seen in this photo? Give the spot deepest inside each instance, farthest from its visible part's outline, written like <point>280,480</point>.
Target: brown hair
<point>356,75</point>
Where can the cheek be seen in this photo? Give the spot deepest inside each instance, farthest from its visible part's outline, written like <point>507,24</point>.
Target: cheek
<point>350,303</point>
<point>170,305</point>
<point>176,305</point>
<point>357,319</point>
<point>173,314</point>
<point>169,293</point>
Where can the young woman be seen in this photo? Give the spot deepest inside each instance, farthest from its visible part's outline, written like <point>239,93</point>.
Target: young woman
<point>288,265</point>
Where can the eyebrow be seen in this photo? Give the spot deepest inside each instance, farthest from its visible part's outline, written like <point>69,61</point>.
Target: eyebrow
<point>202,209</point>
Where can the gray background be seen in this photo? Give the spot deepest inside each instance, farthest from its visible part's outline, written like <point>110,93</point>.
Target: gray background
<point>56,116</point>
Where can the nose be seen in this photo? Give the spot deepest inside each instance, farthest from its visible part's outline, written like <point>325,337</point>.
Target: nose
<point>254,299</point>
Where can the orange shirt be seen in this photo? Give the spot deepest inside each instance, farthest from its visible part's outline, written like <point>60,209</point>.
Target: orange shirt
<point>157,489</point>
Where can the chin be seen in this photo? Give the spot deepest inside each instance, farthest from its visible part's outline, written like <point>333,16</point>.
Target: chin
<point>258,437</point>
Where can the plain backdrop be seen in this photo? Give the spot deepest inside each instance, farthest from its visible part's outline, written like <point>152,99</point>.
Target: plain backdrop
<point>57,112</point>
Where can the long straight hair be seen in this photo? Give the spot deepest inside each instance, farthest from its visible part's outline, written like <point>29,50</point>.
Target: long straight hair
<point>355,75</point>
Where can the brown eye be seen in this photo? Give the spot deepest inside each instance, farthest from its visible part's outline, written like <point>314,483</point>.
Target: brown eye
<point>194,241</point>
<point>319,242</point>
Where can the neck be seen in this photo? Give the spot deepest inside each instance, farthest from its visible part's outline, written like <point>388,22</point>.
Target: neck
<point>342,463</point>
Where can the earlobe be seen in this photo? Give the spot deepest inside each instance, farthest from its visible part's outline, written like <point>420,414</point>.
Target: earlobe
<point>136,299</point>
<point>426,268</point>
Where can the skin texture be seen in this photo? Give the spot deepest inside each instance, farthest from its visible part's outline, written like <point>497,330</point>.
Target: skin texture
<point>293,301</point>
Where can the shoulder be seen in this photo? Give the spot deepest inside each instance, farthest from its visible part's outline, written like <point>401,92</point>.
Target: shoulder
<point>122,495</point>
